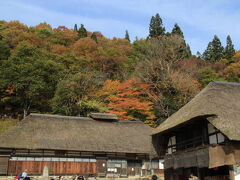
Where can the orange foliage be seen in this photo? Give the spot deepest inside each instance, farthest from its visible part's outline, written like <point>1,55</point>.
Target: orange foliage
<point>10,89</point>
<point>59,49</point>
<point>129,99</point>
<point>61,28</point>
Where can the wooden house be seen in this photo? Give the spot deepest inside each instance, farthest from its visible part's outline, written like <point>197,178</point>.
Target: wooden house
<point>203,137</point>
<point>100,145</point>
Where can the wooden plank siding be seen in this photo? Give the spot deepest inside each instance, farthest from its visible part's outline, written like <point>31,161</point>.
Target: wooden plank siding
<point>55,168</point>
<point>3,165</point>
<point>101,167</point>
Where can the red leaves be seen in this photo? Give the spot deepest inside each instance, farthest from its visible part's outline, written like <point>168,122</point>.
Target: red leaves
<point>129,99</point>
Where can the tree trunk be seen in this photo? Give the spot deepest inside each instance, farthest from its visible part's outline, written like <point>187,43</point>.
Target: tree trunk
<point>24,113</point>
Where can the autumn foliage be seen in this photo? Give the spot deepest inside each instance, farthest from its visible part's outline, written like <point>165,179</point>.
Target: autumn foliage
<point>57,70</point>
<point>128,102</point>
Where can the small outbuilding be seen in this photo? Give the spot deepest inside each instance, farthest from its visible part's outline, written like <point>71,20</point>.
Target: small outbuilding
<point>203,138</point>
<point>100,145</point>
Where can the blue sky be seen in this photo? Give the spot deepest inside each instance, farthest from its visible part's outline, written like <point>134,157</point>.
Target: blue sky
<point>199,19</point>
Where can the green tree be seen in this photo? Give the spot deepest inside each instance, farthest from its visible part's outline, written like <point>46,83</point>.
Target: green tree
<point>74,95</point>
<point>214,51</point>
<point>127,36</point>
<point>185,50</point>
<point>229,50</point>
<point>156,27</point>
<point>188,51</point>
<point>28,78</point>
<point>4,49</point>
<point>94,37</point>
<point>198,54</point>
<point>82,32</point>
<point>75,28</point>
<point>177,30</point>
<point>207,74</point>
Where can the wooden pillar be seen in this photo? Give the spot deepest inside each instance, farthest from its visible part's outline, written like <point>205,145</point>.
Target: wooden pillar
<point>231,173</point>
<point>199,173</point>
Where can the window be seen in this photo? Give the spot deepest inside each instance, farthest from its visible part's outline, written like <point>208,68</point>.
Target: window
<point>63,159</point>
<point>30,159</point>
<point>171,145</point>
<point>38,159</point>
<point>46,159</point>
<point>215,136</point>
<point>92,160</point>
<point>13,159</point>
<point>155,164</point>
<point>55,159</point>
<point>161,164</point>
<point>70,159</point>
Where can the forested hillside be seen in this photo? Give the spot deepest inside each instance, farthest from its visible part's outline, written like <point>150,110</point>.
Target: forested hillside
<point>75,72</point>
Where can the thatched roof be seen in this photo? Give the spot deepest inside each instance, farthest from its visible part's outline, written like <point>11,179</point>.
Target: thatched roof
<point>219,102</point>
<point>38,131</point>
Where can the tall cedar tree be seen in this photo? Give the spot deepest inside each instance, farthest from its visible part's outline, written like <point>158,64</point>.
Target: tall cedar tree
<point>156,27</point>
<point>82,32</point>
<point>198,54</point>
<point>94,37</point>
<point>229,50</point>
<point>177,30</point>
<point>75,28</point>
<point>188,51</point>
<point>185,51</point>
<point>127,36</point>
<point>214,51</point>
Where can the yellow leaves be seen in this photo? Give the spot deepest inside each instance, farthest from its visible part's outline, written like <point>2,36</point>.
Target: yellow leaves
<point>232,72</point>
<point>16,25</point>
<point>110,87</point>
<point>184,82</point>
<point>236,57</point>
<point>85,48</point>
<point>65,36</point>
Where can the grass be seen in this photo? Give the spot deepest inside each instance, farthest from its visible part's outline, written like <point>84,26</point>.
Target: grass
<point>6,124</point>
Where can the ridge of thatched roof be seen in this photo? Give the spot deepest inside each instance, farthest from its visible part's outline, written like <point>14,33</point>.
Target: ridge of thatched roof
<point>103,116</point>
<point>219,102</point>
<point>53,132</point>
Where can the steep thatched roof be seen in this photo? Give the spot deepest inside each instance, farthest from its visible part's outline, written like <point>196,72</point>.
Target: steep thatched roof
<point>39,131</point>
<point>220,101</point>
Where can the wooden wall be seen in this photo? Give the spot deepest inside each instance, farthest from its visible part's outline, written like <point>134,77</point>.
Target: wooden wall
<point>55,168</point>
<point>3,165</point>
